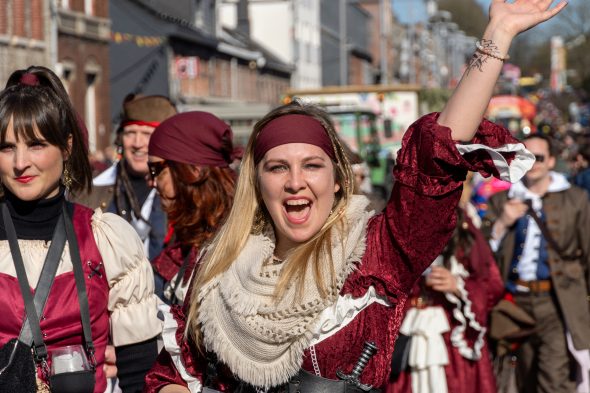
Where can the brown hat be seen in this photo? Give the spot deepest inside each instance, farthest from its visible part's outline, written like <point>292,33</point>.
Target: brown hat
<point>148,110</point>
<point>510,322</point>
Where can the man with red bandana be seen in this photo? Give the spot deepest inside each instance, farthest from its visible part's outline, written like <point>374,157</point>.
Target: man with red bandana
<point>123,188</point>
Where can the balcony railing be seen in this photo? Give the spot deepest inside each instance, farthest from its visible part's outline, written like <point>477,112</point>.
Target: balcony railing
<point>82,25</point>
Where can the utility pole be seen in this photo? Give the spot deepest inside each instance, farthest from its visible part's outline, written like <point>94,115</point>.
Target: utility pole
<point>383,43</point>
<point>343,44</point>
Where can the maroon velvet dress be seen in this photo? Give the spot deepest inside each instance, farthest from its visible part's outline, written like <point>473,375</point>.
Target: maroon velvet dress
<point>400,243</point>
<point>484,288</point>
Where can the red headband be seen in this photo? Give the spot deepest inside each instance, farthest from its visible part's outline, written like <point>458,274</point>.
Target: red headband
<point>141,123</point>
<point>293,128</point>
<point>29,79</point>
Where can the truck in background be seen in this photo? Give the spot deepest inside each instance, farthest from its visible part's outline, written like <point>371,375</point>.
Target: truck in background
<point>371,119</point>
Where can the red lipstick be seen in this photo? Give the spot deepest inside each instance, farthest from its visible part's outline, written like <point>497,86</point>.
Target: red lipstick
<point>24,179</point>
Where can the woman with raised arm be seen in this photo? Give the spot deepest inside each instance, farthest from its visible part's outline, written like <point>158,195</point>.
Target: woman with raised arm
<point>92,283</point>
<point>303,289</point>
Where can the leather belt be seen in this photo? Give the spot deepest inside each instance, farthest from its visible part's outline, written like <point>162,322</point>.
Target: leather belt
<point>304,382</point>
<point>537,286</point>
<point>420,302</point>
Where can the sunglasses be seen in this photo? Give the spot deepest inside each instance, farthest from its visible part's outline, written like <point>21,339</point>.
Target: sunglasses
<point>539,158</point>
<point>156,168</point>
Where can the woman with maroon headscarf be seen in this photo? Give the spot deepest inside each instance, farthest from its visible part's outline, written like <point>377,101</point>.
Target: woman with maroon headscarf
<point>189,157</point>
<point>303,288</point>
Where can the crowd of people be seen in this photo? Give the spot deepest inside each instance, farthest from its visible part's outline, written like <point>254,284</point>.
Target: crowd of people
<point>183,275</point>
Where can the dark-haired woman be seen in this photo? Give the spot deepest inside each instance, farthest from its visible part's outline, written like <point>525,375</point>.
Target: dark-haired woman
<point>101,286</point>
<point>447,318</point>
<point>189,157</point>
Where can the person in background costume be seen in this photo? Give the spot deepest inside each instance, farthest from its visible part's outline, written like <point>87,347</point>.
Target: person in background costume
<point>189,157</point>
<point>303,288</point>
<point>123,189</point>
<point>42,156</point>
<point>581,176</point>
<point>448,317</point>
<point>545,263</point>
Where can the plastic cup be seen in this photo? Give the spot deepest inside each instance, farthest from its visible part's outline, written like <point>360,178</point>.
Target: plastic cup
<point>69,359</point>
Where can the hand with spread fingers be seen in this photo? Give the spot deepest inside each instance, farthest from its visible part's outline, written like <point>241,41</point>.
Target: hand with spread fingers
<point>521,15</point>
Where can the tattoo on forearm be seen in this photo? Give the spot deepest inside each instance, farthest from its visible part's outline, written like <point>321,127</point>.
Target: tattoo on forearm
<point>486,49</point>
<point>477,61</point>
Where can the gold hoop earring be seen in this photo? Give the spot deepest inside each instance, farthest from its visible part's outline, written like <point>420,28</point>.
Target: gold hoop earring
<point>67,176</point>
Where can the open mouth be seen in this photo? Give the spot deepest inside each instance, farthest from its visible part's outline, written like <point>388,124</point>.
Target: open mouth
<point>297,209</point>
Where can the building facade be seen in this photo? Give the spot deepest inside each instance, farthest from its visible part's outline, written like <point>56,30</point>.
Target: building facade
<point>345,44</point>
<point>25,35</point>
<point>83,35</point>
<point>381,42</point>
<point>291,29</point>
<point>188,57</point>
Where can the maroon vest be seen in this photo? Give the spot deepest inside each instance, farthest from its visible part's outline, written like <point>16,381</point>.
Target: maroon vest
<point>61,323</point>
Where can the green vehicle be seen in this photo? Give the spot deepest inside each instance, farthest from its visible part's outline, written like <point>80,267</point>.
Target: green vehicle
<point>359,129</point>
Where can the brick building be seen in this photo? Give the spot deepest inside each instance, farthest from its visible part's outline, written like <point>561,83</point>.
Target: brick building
<point>177,49</point>
<point>382,38</point>
<point>83,63</point>
<point>345,43</point>
<point>25,35</point>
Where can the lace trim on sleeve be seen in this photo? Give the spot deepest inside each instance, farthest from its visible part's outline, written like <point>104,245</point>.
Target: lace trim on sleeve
<point>513,171</point>
<point>464,315</point>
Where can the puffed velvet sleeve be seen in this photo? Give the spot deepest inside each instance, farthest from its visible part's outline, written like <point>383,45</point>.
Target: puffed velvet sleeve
<point>177,363</point>
<point>132,304</point>
<point>180,362</point>
<point>420,215</point>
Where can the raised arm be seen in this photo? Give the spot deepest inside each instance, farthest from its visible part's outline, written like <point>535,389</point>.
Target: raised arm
<point>466,107</point>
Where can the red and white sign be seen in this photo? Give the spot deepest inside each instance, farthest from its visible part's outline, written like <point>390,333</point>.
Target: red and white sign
<point>187,67</point>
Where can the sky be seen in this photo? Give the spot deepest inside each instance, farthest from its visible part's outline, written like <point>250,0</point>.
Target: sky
<point>409,11</point>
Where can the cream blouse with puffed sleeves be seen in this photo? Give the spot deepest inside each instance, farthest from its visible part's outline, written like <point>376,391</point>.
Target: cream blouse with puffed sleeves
<point>132,302</point>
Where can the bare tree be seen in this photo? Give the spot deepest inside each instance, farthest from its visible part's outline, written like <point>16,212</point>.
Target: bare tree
<point>467,14</point>
<point>573,21</point>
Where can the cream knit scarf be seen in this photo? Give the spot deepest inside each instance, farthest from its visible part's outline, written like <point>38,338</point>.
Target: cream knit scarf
<point>260,340</point>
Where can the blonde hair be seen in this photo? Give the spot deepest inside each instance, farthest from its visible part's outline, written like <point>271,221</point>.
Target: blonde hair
<point>248,208</point>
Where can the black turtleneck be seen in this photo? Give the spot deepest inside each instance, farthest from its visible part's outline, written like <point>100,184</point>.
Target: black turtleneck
<point>33,220</point>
